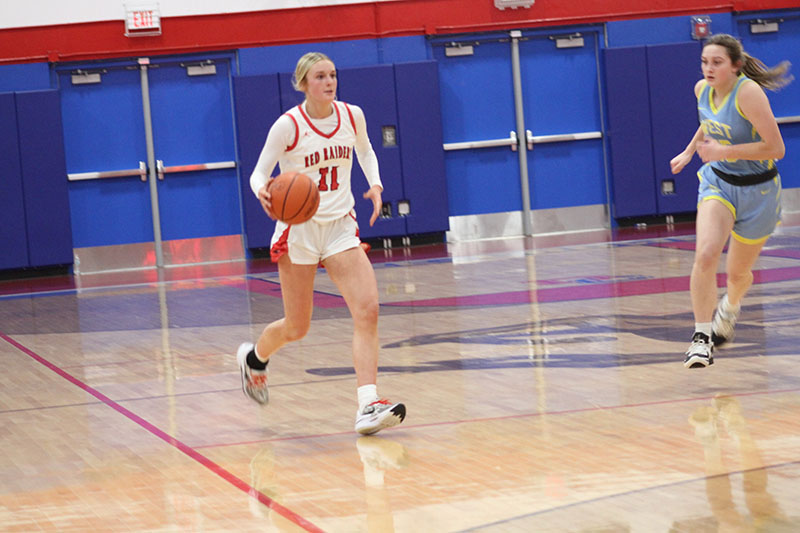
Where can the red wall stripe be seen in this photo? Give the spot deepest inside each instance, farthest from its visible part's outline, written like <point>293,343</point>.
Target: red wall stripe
<point>96,40</point>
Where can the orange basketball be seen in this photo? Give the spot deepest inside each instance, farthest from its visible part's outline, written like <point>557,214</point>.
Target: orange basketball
<point>295,197</point>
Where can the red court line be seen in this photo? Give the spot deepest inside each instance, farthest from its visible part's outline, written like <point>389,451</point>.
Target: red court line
<point>191,452</point>
<point>594,291</point>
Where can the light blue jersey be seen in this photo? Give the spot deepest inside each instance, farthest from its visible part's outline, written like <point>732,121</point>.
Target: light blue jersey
<point>756,208</point>
<point>728,125</point>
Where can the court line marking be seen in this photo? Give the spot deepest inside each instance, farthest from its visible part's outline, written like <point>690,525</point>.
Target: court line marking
<point>267,274</point>
<point>628,493</point>
<point>676,242</point>
<point>152,429</point>
<point>577,410</point>
<point>591,291</point>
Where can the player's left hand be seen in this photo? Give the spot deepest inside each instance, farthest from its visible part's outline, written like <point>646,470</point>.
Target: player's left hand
<point>374,194</point>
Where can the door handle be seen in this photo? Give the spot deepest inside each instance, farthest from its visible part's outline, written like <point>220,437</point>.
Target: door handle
<point>193,168</point>
<point>141,172</point>
<point>160,169</point>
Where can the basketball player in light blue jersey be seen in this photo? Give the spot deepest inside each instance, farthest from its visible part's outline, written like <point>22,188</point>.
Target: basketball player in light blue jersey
<point>739,193</point>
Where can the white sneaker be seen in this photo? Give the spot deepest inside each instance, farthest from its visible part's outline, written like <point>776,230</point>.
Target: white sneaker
<point>699,354</point>
<point>724,324</point>
<point>378,415</point>
<point>254,382</point>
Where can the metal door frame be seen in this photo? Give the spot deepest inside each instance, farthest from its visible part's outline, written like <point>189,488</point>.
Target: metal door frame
<point>521,139</point>
<point>152,169</point>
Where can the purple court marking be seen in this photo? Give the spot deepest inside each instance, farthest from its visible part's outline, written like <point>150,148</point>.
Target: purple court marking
<point>272,288</point>
<point>674,245</point>
<point>191,452</point>
<point>589,292</point>
<point>789,253</point>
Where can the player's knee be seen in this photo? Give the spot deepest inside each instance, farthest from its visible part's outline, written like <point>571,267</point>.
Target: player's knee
<point>294,331</point>
<point>706,258</point>
<point>740,277</point>
<point>366,312</point>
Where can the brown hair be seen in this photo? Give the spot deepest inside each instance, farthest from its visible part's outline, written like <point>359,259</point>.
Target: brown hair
<point>770,78</point>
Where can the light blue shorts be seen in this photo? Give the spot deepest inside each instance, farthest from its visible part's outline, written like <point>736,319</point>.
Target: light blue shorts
<point>756,208</point>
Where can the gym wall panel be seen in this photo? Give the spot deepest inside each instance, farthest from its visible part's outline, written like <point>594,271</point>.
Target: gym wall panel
<point>420,134</point>
<point>629,132</point>
<point>44,174</point>
<point>373,90</point>
<point>13,234</point>
<point>403,49</point>
<point>662,30</point>
<point>283,58</point>
<point>257,107</point>
<point>24,77</point>
<point>290,97</point>
<point>672,71</point>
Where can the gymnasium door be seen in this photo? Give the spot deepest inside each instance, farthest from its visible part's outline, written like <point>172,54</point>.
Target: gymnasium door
<point>561,122</point>
<point>561,102</point>
<point>151,162</point>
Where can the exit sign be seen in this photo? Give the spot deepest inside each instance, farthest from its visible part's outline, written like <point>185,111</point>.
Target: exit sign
<point>142,20</point>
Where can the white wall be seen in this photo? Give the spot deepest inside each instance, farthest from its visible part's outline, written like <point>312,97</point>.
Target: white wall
<point>16,14</point>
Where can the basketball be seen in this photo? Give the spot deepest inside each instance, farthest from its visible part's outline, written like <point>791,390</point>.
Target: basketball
<point>295,197</point>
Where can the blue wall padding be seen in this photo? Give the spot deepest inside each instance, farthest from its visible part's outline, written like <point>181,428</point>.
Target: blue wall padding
<point>403,49</point>
<point>258,106</point>
<point>672,71</point>
<point>25,77</point>
<point>289,96</point>
<point>629,132</point>
<point>283,58</point>
<point>13,235</point>
<point>373,90</point>
<point>419,132</point>
<point>662,30</point>
<point>44,174</point>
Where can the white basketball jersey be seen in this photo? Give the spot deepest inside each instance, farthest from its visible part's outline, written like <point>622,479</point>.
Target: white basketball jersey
<point>324,150</point>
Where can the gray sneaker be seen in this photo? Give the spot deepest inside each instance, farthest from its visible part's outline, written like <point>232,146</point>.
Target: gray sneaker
<point>254,382</point>
<point>378,415</point>
<point>724,324</point>
<point>699,354</point>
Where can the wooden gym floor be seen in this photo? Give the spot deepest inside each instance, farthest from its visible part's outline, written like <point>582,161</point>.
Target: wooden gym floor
<point>543,379</point>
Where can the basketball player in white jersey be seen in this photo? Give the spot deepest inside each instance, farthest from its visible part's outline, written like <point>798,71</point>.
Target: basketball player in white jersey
<point>320,138</point>
<point>739,193</point>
